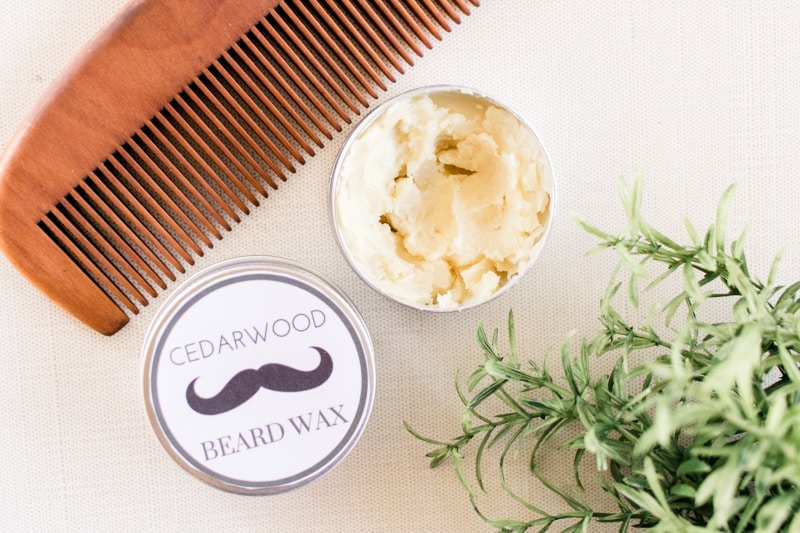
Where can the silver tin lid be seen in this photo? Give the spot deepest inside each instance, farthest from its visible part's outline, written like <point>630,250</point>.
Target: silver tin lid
<point>258,375</point>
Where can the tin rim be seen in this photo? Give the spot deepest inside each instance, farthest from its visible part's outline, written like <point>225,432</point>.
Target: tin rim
<point>374,115</point>
<point>231,269</point>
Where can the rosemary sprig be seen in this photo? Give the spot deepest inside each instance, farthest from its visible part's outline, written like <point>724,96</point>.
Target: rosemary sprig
<point>704,435</point>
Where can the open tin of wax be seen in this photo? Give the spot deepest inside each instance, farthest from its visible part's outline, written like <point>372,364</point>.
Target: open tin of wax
<point>442,198</point>
<point>258,375</point>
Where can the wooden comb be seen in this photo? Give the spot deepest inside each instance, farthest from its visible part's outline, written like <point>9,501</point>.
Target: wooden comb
<point>175,120</point>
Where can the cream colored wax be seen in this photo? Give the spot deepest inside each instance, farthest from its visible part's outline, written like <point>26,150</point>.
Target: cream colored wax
<point>441,201</point>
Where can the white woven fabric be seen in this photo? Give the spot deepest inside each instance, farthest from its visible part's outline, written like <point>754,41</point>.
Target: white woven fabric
<point>693,94</point>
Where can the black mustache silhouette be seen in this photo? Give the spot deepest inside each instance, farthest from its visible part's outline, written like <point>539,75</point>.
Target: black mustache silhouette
<point>272,376</point>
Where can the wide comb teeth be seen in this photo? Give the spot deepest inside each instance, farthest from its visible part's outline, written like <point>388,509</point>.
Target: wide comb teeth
<point>244,123</point>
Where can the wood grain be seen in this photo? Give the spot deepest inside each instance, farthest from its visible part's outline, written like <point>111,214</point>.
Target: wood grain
<point>171,124</point>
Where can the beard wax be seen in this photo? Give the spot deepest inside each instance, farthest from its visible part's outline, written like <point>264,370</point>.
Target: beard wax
<point>442,198</point>
<point>258,375</point>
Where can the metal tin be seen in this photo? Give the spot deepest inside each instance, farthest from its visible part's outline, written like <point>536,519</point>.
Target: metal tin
<point>368,120</point>
<point>258,375</point>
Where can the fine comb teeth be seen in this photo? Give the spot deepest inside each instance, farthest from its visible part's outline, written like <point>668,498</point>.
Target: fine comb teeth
<point>174,122</point>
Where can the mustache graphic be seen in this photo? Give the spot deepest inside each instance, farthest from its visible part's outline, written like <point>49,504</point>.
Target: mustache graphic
<point>273,376</point>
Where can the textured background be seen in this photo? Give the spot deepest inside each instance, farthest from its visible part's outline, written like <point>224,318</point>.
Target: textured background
<point>695,95</point>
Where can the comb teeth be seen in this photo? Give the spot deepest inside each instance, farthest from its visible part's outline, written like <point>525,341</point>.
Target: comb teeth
<point>238,129</point>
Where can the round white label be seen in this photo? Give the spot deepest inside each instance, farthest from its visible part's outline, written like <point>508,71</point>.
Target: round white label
<point>259,381</point>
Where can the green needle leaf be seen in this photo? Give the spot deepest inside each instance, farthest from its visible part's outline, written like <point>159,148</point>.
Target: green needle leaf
<point>690,409</point>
